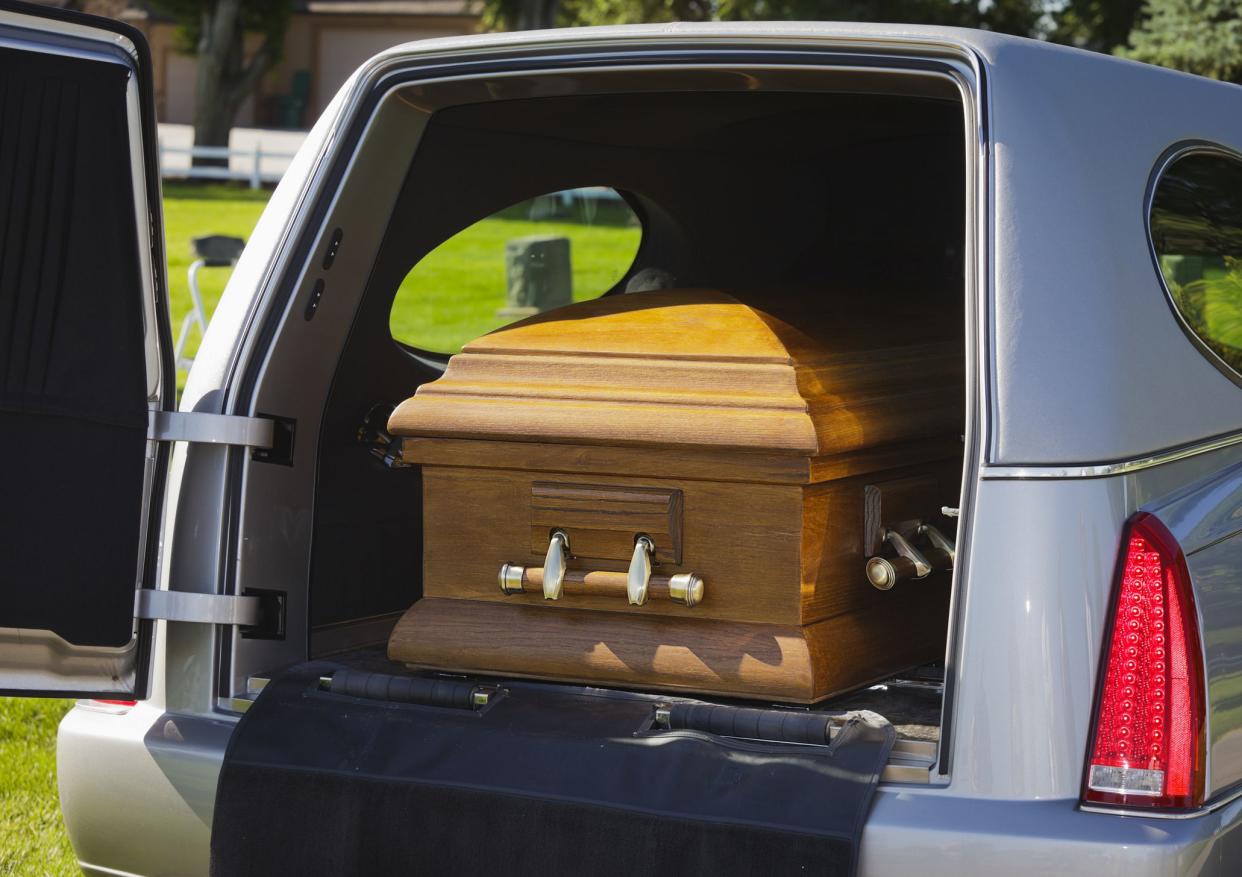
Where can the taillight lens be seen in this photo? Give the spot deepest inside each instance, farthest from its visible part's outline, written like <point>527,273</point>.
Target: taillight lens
<point>1149,741</point>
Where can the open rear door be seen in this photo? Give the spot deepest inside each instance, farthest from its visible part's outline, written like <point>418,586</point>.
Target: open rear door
<point>85,353</point>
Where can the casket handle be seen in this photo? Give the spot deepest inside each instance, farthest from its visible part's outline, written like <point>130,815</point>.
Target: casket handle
<point>554,565</point>
<point>910,562</point>
<point>684,588</point>
<point>638,579</point>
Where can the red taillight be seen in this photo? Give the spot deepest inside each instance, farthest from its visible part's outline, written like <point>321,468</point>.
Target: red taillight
<point>106,706</point>
<point>1149,730</point>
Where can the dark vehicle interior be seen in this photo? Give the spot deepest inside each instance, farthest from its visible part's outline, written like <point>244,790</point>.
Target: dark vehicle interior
<point>849,203</point>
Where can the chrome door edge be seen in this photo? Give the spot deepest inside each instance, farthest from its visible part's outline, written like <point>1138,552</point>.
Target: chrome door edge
<point>1103,470</point>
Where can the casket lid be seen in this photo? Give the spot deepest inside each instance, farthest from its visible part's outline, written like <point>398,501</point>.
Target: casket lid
<point>688,368</point>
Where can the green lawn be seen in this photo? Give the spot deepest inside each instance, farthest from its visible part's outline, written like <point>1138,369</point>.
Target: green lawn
<point>194,211</point>
<point>32,837</point>
<point>453,294</point>
<point>449,298</point>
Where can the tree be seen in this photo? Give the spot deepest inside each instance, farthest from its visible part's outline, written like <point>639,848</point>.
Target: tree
<point>521,14</point>
<point>215,31</point>
<point>1099,25</point>
<point>1197,36</point>
<point>1021,17</point>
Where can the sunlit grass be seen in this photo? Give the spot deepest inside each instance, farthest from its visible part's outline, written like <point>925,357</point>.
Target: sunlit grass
<point>32,836</point>
<point>194,211</point>
<point>455,293</point>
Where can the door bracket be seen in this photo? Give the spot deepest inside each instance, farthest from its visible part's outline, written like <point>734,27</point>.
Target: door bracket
<point>206,428</point>
<point>244,611</point>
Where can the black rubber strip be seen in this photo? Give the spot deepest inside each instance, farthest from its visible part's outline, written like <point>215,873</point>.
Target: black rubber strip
<point>754,724</point>
<point>403,689</point>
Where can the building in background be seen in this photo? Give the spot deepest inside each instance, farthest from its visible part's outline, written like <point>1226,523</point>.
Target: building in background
<point>325,43</point>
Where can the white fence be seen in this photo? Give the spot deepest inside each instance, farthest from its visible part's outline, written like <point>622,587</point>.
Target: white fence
<point>254,156</point>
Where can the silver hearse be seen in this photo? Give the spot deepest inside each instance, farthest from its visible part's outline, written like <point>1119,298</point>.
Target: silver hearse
<point>163,562</point>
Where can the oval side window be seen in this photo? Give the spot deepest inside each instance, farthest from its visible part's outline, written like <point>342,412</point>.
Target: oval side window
<point>536,255</point>
<point>1196,233</point>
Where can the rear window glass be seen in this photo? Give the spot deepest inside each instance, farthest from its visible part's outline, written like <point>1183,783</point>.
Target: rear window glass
<point>531,257</point>
<point>1196,230</point>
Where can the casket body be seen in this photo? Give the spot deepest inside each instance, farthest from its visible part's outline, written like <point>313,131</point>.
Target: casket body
<point>765,455</point>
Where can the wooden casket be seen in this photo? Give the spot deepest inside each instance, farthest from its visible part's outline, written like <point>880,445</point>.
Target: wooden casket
<point>680,491</point>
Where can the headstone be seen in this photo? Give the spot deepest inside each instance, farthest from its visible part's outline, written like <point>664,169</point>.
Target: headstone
<point>538,275</point>
<point>218,250</point>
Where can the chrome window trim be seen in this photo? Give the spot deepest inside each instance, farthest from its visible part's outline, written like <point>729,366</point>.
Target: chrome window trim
<point>1104,470</point>
<point>1171,156</point>
<point>69,38</point>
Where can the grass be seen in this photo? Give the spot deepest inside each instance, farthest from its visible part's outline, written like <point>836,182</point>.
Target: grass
<point>449,298</point>
<point>193,211</point>
<point>32,836</point>
<point>454,293</point>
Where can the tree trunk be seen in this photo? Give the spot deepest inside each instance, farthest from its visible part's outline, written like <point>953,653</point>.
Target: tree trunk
<point>536,14</point>
<point>224,81</point>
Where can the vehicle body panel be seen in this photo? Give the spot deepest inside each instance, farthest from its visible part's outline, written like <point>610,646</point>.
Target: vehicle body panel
<point>1086,368</point>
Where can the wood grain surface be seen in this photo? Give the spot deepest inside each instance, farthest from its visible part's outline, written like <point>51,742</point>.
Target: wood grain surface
<point>774,662</point>
<point>688,368</point>
<point>602,522</point>
<point>743,539</point>
<point>744,445</point>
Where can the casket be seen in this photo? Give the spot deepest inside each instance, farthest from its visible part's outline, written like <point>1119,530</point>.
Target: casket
<point>680,491</point>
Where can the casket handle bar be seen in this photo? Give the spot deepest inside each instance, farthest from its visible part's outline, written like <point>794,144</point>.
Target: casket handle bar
<point>638,585</point>
<point>910,562</point>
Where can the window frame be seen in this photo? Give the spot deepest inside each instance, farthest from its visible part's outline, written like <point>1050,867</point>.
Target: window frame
<point>1167,160</point>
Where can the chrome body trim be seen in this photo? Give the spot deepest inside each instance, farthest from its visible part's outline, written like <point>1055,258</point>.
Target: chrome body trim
<point>1209,807</point>
<point>1104,470</point>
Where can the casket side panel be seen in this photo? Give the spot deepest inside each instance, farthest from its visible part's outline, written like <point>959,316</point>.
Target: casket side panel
<point>743,539</point>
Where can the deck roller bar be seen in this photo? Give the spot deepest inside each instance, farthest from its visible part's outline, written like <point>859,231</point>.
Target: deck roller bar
<point>778,726</point>
<point>451,693</point>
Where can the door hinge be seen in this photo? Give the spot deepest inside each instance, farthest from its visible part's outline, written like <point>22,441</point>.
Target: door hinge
<point>244,611</point>
<point>206,428</point>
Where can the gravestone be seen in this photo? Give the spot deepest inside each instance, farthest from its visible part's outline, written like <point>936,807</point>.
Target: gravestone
<point>537,274</point>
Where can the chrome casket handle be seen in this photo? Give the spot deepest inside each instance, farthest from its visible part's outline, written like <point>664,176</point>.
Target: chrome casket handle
<point>684,588</point>
<point>910,562</point>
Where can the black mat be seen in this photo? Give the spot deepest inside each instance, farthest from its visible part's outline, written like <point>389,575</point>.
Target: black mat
<point>545,780</point>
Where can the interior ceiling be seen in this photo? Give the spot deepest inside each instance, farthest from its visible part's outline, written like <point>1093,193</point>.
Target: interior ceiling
<point>758,123</point>
<point>736,189</point>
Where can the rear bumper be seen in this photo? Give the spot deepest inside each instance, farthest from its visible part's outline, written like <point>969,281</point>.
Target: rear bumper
<point>137,788</point>
<point>137,791</point>
<point>929,833</point>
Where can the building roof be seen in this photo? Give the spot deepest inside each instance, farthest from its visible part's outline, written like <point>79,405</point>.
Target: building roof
<point>388,7</point>
<point>137,9</point>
